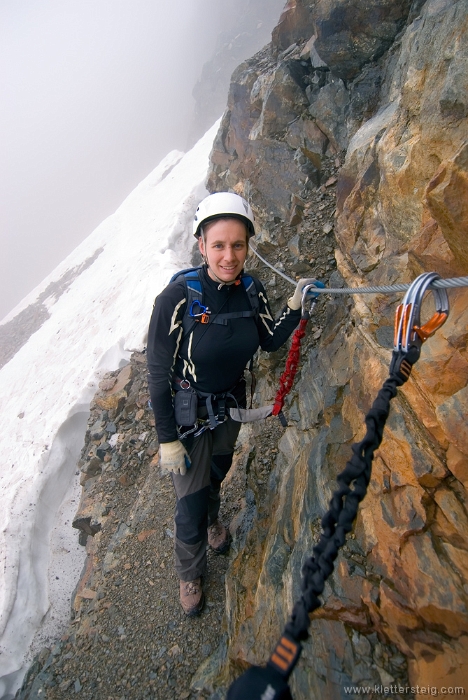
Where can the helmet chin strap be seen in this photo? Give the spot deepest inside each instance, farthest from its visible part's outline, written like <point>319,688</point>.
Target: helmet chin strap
<point>206,261</point>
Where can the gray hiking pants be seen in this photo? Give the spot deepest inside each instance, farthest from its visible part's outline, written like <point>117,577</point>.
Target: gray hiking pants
<point>198,497</point>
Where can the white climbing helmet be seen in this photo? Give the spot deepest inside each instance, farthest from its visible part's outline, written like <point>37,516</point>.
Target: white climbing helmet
<point>222,204</point>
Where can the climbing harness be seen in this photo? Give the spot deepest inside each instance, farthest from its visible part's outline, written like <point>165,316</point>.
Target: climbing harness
<point>272,681</point>
<point>186,403</point>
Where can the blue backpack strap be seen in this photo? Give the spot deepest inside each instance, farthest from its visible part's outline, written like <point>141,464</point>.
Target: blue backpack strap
<point>194,286</point>
<point>252,292</point>
<point>194,292</point>
<point>191,276</point>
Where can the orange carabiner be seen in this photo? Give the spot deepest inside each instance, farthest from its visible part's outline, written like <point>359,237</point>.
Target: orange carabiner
<point>408,329</point>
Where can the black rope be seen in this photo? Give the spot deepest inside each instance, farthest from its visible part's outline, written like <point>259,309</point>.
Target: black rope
<point>352,487</point>
<point>339,519</point>
<point>336,524</point>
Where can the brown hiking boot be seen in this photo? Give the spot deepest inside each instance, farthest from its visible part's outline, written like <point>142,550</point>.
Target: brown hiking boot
<point>192,598</point>
<point>218,537</point>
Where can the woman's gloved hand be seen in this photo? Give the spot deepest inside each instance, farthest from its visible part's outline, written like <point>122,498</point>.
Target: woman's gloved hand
<point>173,457</point>
<point>295,301</point>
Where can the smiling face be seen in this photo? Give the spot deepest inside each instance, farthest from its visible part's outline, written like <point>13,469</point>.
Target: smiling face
<point>225,248</point>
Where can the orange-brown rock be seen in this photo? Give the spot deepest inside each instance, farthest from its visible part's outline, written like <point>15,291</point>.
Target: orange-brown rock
<point>457,462</point>
<point>451,522</point>
<point>441,667</point>
<point>114,398</point>
<point>447,199</point>
<point>433,589</point>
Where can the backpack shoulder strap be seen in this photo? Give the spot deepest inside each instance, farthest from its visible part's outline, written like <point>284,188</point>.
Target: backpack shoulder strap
<point>189,274</point>
<point>252,292</point>
<point>193,292</point>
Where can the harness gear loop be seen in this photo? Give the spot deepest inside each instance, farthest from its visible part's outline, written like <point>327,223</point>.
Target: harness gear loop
<point>409,333</point>
<point>292,363</point>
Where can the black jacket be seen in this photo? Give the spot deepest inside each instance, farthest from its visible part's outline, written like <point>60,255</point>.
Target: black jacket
<point>211,356</point>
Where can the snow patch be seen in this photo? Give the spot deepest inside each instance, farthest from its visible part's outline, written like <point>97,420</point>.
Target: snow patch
<point>95,321</point>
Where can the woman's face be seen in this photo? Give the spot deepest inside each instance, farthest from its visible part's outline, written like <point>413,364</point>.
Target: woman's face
<point>226,248</point>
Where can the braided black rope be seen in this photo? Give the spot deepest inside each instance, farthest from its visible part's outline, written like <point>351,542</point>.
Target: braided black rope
<point>271,681</point>
<point>338,521</point>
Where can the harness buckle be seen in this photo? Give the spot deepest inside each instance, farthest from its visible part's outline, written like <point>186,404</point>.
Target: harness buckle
<point>408,328</point>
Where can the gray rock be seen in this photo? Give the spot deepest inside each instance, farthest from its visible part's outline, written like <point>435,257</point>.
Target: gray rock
<point>330,109</point>
<point>351,34</point>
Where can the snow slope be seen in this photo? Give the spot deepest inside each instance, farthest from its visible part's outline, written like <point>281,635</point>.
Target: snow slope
<point>45,390</point>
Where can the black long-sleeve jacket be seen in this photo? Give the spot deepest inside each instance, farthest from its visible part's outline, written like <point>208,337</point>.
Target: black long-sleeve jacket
<point>211,356</point>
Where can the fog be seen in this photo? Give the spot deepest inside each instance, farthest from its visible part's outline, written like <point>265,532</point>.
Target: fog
<point>94,93</point>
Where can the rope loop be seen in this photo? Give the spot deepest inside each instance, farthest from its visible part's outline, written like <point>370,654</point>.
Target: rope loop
<point>292,363</point>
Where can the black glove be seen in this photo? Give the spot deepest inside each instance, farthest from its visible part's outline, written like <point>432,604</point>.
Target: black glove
<point>259,683</point>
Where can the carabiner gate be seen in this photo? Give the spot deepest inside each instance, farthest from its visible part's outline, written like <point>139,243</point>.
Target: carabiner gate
<point>307,292</point>
<point>408,329</point>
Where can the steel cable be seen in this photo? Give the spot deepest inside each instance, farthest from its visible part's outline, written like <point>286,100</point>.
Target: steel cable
<point>385,289</point>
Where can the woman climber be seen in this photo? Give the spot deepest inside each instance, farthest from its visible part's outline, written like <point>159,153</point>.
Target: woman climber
<point>205,328</point>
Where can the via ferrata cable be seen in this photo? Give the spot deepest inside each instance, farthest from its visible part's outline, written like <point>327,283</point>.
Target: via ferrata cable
<point>450,283</point>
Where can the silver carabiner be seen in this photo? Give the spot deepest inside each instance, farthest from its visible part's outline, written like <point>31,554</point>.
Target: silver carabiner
<point>408,329</point>
<point>305,312</point>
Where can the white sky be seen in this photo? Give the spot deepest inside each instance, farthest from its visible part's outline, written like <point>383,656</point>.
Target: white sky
<point>46,388</point>
<point>94,93</point>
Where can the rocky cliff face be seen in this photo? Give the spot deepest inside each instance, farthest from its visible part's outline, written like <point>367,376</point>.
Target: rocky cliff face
<point>246,26</point>
<point>380,88</point>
